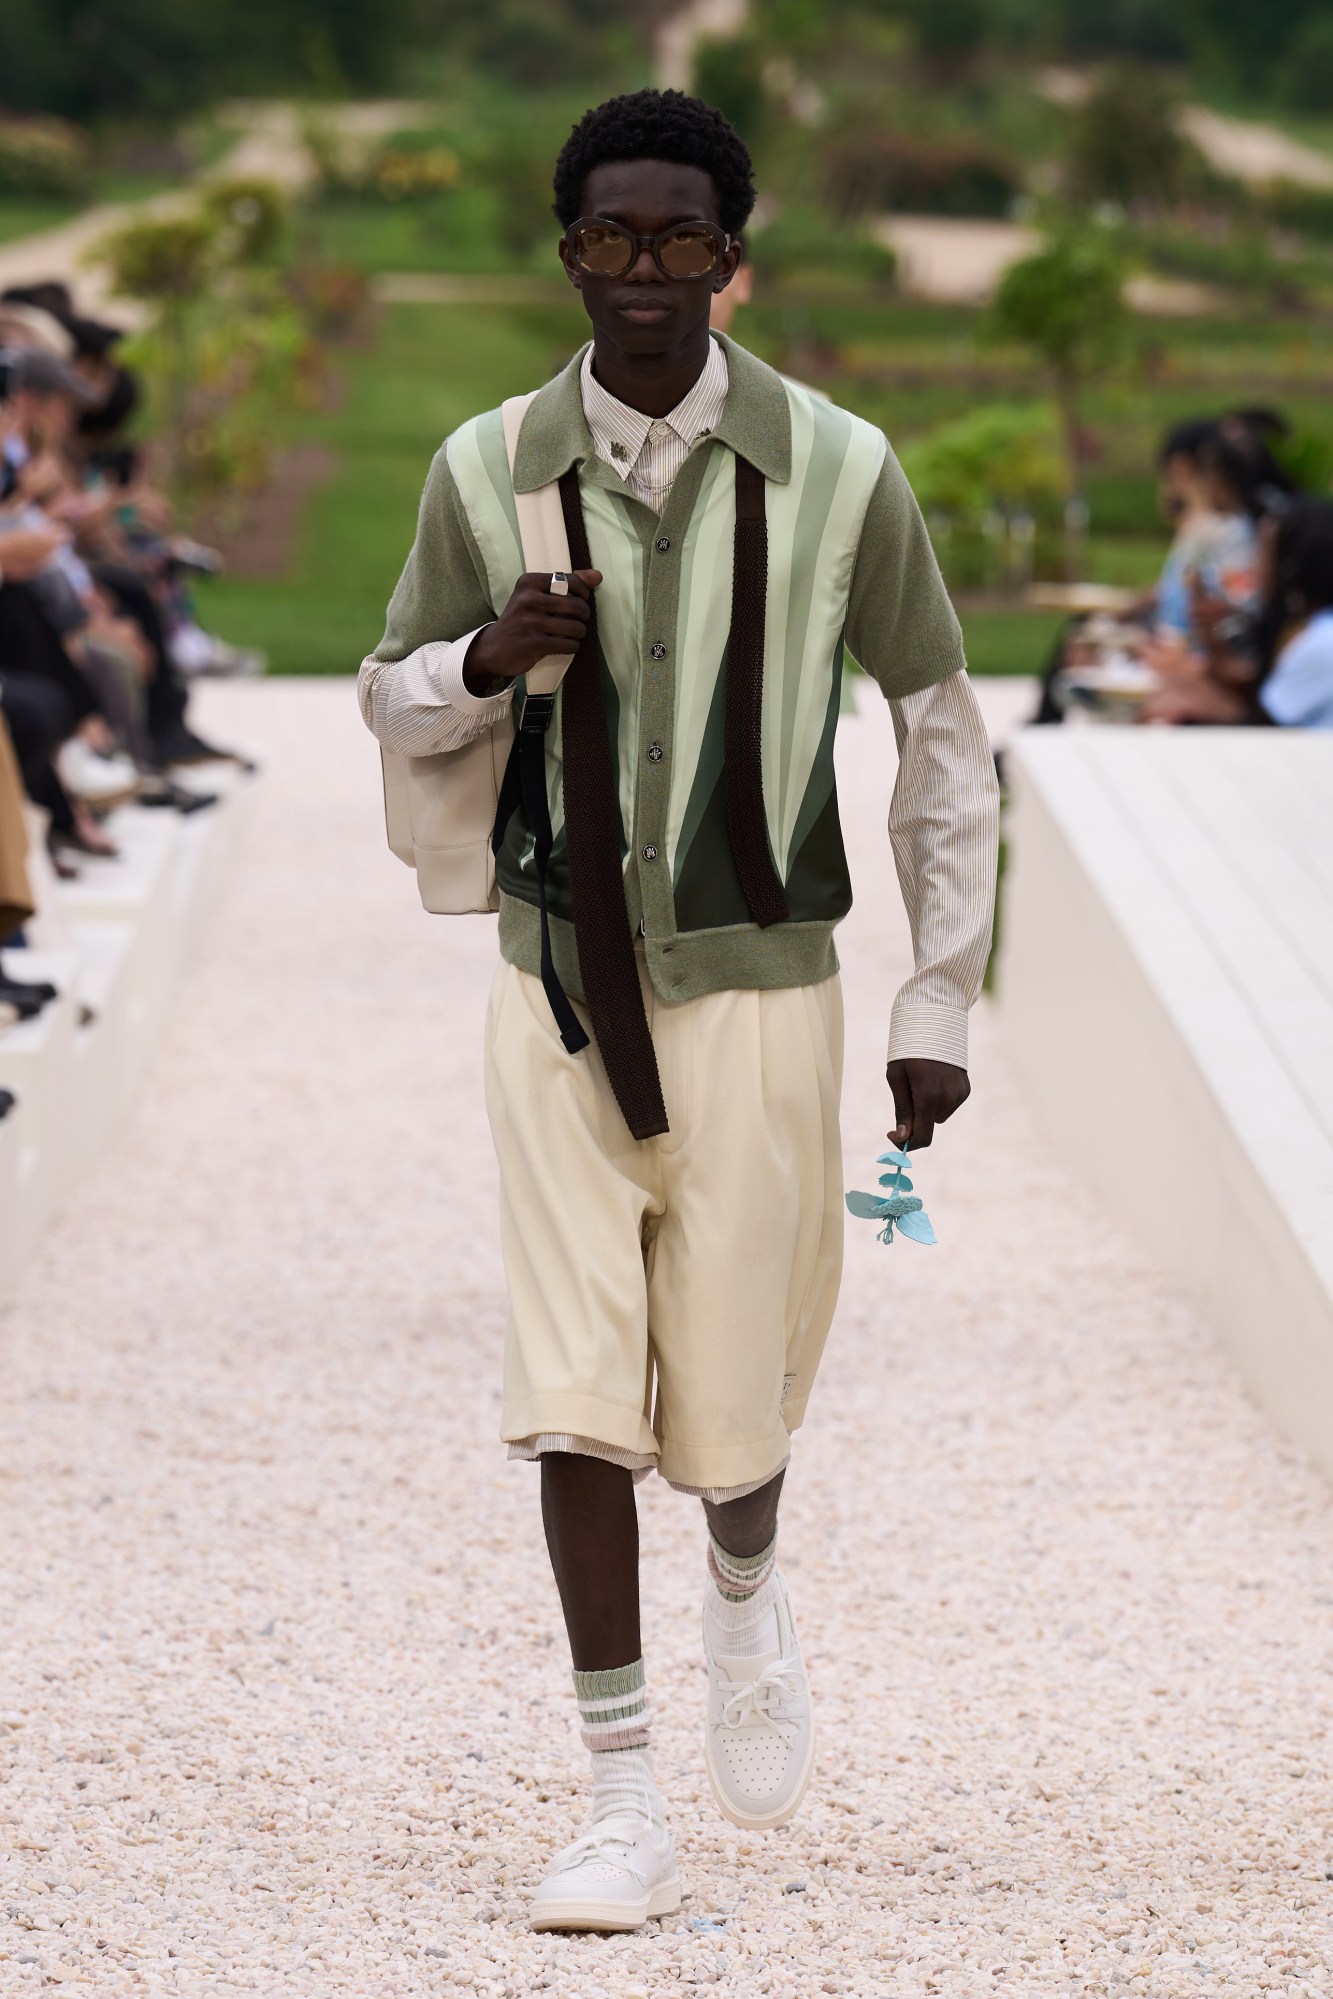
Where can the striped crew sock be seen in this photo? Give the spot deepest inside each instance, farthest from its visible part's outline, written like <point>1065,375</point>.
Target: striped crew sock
<point>740,1604</point>
<point>739,1577</point>
<point>613,1712</point>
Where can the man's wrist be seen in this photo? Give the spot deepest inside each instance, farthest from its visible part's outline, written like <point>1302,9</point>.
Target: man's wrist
<point>478,678</point>
<point>446,663</point>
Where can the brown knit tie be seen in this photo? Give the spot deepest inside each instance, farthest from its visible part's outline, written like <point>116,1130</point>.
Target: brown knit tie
<point>607,964</point>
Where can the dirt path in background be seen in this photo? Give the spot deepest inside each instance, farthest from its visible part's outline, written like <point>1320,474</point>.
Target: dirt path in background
<point>1242,147</point>
<point>268,146</point>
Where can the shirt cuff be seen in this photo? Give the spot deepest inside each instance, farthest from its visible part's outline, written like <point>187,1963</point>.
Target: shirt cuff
<point>445,660</point>
<point>928,1031</point>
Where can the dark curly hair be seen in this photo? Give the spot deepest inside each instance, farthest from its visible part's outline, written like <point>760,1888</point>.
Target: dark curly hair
<point>1302,573</point>
<point>657,125</point>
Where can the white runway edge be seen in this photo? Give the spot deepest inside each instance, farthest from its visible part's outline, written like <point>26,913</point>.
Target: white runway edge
<point>113,941</point>
<point>1168,939</point>
<point>285,1704</point>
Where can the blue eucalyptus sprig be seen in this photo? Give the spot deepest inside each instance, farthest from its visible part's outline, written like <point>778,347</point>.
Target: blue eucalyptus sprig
<point>898,1205</point>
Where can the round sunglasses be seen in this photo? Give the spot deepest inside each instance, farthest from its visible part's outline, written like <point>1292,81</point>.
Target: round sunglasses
<point>605,250</point>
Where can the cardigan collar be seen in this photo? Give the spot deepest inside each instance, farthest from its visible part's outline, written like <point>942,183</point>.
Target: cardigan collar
<point>755,422</point>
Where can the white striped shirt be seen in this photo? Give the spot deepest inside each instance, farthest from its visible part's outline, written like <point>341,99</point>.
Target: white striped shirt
<point>649,451</point>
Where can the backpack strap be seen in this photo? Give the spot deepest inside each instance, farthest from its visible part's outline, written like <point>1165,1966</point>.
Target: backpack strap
<point>541,526</point>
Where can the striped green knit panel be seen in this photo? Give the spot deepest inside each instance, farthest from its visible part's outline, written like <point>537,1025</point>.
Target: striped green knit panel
<point>613,1708</point>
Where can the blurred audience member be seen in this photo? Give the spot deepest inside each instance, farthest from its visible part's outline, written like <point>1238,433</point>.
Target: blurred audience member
<point>1219,482</point>
<point>1293,686</point>
<point>97,636</point>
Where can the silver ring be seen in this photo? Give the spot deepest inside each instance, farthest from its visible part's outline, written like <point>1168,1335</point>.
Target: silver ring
<point>559,583</point>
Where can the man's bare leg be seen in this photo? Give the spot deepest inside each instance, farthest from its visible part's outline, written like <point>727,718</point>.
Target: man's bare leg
<point>592,1533</point>
<point>745,1526</point>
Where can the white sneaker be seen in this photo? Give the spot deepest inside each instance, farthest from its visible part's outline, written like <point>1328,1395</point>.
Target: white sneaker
<point>759,1743</point>
<point>97,779</point>
<point>618,1875</point>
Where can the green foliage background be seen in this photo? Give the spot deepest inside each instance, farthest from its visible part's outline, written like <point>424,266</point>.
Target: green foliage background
<point>90,59</point>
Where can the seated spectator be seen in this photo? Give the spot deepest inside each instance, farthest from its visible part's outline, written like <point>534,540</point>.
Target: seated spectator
<point>91,599</point>
<point>1219,480</point>
<point>1294,688</point>
<point>1214,536</point>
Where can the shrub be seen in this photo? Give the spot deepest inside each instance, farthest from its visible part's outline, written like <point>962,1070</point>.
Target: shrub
<point>1305,76</point>
<point>1124,142</point>
<point>915,176</point>
<point>405,173</point>
<point>332,296</point>
<point>167,262</point>
<point>43,156</point>
<point>1308,210</point>
<point>730,75</point>
<point>250,213</point>
<point>1004,455</point>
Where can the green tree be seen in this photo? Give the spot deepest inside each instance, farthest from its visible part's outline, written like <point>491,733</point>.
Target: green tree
<point>226,339</point>
<point>1067,305</point>
<point>1306,74</point>
<point>730,74</point>
<point>169,266</point>
<point>156,58</point>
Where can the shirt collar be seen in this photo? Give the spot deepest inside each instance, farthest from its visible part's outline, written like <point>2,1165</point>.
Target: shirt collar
<point>755,421</point>
<point>619,432</point>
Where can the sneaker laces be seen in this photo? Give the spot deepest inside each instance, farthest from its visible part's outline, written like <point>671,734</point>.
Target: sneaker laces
<point>764,1698</point>
<point>608,1839</point>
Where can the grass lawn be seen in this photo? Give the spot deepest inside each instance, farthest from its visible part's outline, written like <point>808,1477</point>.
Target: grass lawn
<point>28,215</point>
<point>1009,641</point>
<point>431,367</point>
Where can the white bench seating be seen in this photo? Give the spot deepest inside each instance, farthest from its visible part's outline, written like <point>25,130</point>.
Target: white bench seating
<point>1166,985</point>
<point>115,943</point>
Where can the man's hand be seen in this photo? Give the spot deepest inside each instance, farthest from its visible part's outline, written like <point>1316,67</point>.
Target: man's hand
<point>925,1093</point>
<point>532,624</point>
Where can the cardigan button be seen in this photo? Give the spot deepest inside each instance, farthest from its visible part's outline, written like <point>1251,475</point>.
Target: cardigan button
<point>650,853</point>
<point>663,543</point>
<point>659,650</point>
<point>655,753</point>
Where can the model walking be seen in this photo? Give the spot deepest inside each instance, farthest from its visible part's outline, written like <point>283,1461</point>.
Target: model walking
<point>671,1189</point>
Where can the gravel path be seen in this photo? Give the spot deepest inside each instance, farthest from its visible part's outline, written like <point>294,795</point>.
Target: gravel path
<point>285,1703</point>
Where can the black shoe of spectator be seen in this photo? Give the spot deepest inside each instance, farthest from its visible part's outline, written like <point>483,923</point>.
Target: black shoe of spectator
<point>181,746</point>
<point>161,793</point>
<point>41,989</point>
<point>7,1103</point>
<point>22,1001</point>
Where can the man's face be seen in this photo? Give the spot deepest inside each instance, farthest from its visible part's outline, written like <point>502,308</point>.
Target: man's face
<point>645,312</point>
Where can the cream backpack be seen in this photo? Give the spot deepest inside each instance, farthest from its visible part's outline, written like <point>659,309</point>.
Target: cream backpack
<point>439,811</point>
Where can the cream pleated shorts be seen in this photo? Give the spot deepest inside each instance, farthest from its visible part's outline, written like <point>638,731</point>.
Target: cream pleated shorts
<point>670,1297</point>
